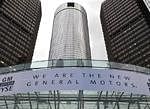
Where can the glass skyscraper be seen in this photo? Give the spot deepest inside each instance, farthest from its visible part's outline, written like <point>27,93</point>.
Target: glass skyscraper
<point>19,24</point>
<point>70,35</point>
<point>126,27</point>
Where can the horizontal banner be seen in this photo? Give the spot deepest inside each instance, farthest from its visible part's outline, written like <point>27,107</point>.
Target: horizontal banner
<point>75,79</point>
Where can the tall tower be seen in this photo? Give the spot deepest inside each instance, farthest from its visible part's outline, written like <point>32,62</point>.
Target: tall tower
<point>70,35</point>
<point>19,24</point>
<point>126,27</point>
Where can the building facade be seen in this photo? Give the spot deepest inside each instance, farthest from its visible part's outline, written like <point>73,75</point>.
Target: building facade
<point>19,24</point>
<point>70,35</point>
<point>126,28</point>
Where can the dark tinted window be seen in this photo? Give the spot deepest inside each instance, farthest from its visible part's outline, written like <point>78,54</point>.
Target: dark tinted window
<point>70,4</point>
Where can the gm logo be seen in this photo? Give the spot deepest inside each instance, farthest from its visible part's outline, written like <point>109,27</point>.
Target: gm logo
<point>6,84</point>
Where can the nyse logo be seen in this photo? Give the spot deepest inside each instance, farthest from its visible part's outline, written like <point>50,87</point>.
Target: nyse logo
<point>6,84</point>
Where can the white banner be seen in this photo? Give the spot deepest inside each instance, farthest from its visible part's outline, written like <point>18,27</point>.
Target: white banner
<point>75,79</point>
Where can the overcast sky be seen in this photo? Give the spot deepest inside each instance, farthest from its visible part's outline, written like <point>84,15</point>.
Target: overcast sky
<point>92,8</point>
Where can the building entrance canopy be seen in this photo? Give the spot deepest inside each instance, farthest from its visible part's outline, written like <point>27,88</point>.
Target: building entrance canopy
<point>75,79</point>
<point>107,77</point>
<point>48,85</point>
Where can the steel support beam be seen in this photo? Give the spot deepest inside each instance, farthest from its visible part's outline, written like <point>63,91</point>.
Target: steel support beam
<point>37,100</point>
<point>99,98</point>
<point>5,102</point>
<point>50,93</point>
<point>29,101</point>
<point>130,101</point>
<point>55,99</point>
<point>58,96</point>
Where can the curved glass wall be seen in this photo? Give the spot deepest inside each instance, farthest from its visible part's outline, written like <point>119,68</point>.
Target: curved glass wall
<point>57,63</point>
<point>74,99</point>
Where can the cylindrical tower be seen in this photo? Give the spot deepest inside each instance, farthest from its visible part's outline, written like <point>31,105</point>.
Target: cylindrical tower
<point>70,35</point>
